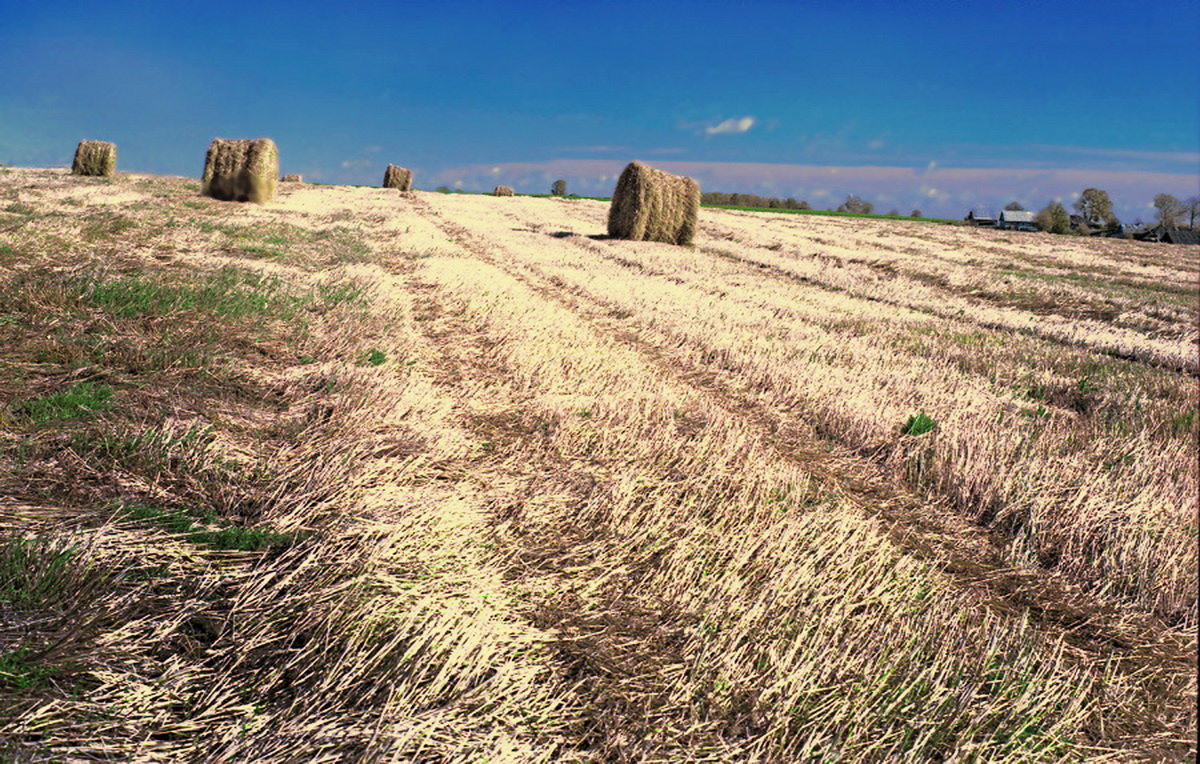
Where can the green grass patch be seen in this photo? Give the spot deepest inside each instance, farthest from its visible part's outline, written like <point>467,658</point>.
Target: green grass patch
<point>17,208</point>
<point>1183,422</point>
<point>210,531</point>
<point>19,670</point>
<point>106,227</point>
<point>375,358</point>
<point>80,400</point>
<point>232,292</point>
<point>35,573</point>
<point>919,424</point>
<point>337,244</point>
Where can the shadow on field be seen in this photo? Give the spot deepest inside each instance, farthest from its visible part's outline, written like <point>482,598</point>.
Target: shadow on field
<point>569,234</point>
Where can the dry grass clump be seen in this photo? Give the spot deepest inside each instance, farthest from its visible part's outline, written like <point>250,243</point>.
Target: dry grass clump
<point>652,205</point>
<point>502,191</point>
<point>244,170</point>
<point>293,178</point>
<point>95,158</point>
<point>397,177</point>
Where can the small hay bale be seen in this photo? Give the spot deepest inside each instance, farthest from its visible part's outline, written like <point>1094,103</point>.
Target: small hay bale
<point>397,177</point>
<point>652,205</point>
<point>241,170</point>
<point>95,158</point>
<point>293,178</point>
<point>502,191</point>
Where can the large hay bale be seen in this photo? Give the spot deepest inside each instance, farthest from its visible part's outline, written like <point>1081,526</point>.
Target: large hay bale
<point>95,158</point>
<point>397,177</point>
<point>241,170</point>
<point>293,178</point>
<point>502,191</point>
<point>652,205</point>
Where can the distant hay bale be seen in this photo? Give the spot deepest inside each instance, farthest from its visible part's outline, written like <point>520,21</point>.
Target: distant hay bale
<point>241,170</point>
<point>502,191</point>
<point>652,205</point>
<point>293,178</point>
<point>397,177</point>
<point>95,158</point>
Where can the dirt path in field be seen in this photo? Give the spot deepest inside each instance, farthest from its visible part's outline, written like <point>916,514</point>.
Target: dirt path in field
<point>930,531</point>
<point>612,673</point>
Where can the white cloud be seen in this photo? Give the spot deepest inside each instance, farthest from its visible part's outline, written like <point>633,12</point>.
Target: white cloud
<point>731,126</point>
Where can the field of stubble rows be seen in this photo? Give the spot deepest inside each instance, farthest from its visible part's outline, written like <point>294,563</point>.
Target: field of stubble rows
<point>362,475</point>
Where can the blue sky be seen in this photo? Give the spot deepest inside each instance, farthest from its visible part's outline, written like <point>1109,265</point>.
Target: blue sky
<point>952,104</point>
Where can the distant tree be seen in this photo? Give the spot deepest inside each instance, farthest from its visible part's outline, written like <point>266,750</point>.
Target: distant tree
<point>559,188</point>
<point>1170,209</point>
<point>915,214</point>
<point>855,204</point>
<point>442,189</point>
<point>1193,210</point>
<point>1014,207</point>
<point>1053,219</point>
<point>894,213</point>
<point>1096,208</point>
<point>804,205</point>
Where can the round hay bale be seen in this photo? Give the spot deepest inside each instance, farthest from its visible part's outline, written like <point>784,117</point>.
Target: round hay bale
<point>95,158</point>
<point>652,205</point>
<point>397,177</point>
<point>241,170</point>
<point>502,191</point>
<point>293,178</point>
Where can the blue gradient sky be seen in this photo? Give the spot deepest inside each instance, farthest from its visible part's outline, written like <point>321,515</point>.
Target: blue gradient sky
<point>794,99</point>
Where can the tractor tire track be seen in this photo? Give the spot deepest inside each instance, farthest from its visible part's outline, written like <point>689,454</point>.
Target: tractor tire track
<point>614,667</point>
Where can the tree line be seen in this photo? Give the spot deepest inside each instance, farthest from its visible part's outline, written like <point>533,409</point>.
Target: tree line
<point>854,204</point>
<point>1094,206</point>
<point>1095,213</point>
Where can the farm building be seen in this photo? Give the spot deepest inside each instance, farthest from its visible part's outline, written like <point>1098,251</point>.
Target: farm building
<point>1180,236</point>
<point>1017,220</point>
<point>1169,235</point>
<point>980,218</point>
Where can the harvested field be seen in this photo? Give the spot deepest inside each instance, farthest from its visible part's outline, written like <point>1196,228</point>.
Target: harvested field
<point>424,477</point>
